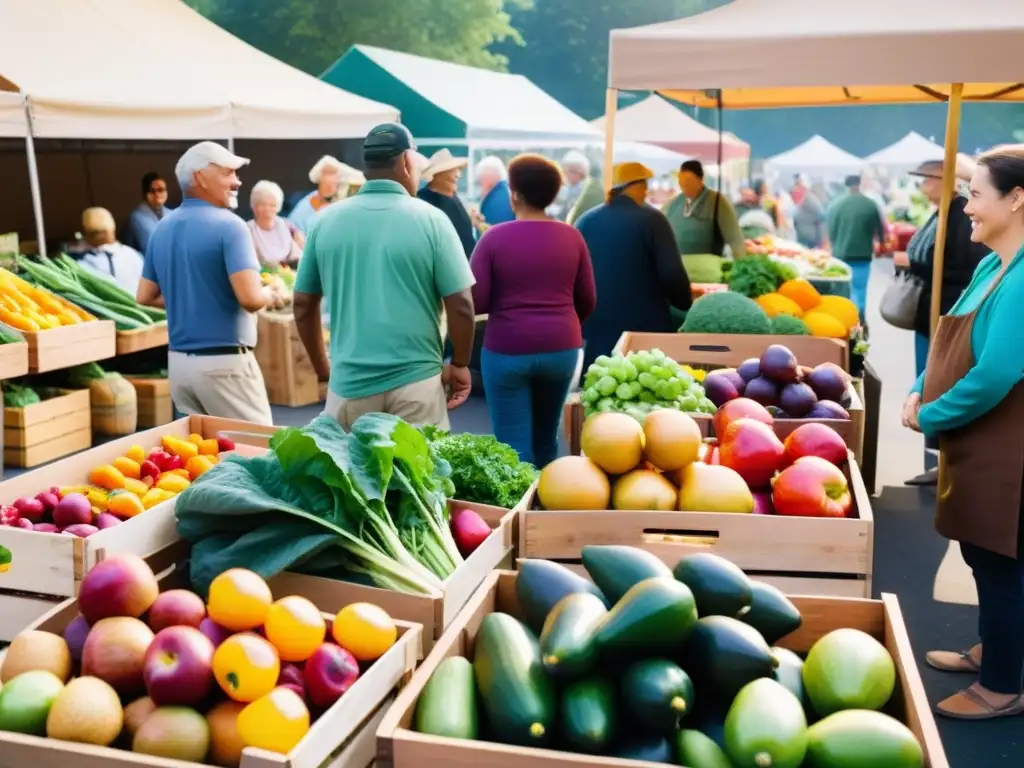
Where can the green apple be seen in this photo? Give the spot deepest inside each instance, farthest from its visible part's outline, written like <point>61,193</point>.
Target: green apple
<point>25,702</point>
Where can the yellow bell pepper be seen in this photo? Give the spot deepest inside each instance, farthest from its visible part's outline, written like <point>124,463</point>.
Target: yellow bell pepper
<point>178,447</point>
<point>173,482</point>
<point>107,476</point>
<point>98,498</point>
<point>195,439</point>
<point>155,496</point>
<point>136,453</point>
<point>209,447</point>
<point>276,722</point>
<point>198,465</point>
<point>138,487</point>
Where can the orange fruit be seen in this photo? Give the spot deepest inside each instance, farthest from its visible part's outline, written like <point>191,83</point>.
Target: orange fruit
<point>364,630</point>
<point>239,600</point>
<point>246,667</point>
<point>295,627</point>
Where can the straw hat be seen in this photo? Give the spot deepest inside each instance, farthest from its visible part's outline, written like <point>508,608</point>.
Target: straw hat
<point>624,174</point>
<point>442,161</point>
<point>346,173</point>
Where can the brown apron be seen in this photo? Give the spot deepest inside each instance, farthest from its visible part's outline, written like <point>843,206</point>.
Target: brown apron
<point>981,465</point>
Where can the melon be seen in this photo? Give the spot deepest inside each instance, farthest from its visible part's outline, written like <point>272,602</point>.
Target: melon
<point>613,441</point>
<point>573,482</point>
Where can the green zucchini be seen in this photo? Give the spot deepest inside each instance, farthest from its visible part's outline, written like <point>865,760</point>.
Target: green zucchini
<point>588,716</point>
<point>541,584</point>
<point>696,750</point>
<point>447,706</point>
<point>567,643</point>
<point>615,568</point>
<point>657,694</point>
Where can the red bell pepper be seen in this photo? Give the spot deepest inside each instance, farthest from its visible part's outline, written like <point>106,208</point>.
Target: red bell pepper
<point>150,472</point>
<point>225,443</point>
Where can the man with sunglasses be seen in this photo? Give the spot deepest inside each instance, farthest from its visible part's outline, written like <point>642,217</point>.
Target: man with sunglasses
<point>148,213</point>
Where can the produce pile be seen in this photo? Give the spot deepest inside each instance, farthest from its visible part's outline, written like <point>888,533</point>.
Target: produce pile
<point>809,262</point>
<point>163,674</point>
<point>6,337</point>
<point>483,470</point>
<point>26,307</point>
<point>280,280</point>
<point>104,298</point>
<point>370,505</point>
<point>753,275</point>
<point>664,465</point>
<point>673,666</point>
<point>117,491</point>
<point>639,383</point>
<point>789,390</point>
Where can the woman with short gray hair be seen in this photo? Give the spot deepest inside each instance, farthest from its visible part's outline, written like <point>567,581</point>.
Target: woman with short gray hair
<point>277,241</point>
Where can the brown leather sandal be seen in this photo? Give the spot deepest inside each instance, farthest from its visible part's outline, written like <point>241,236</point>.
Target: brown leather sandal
<point>968,704</point>
<point>951,661</point>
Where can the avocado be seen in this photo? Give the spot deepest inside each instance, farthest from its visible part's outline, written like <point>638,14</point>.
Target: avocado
<point>617,568</point>
<point>790,674</point>
<point>650,749</point>
<point>695,750</point>
<point>567,643</point>
<point>657,693</point>
<point>858,737</point>
<point>766,727</point>
<point>588,715</point>
<point>654,618</point>
<point>719,587</point>
<point>724,654</point>
<point>848,669</point>
<point>771,613</point>
<point>540,584</point>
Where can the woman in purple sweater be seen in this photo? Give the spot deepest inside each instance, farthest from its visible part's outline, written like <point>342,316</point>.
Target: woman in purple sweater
<point>535,281</point>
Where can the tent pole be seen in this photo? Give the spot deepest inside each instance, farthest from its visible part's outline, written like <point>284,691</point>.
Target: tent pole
<point>33,180</point>
<point>231,144</point>
<point>611,107</point>
<point>956,92</point>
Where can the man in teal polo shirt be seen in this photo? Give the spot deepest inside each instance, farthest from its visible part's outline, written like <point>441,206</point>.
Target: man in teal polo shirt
<point>854,225</point>
<point>386,262</point>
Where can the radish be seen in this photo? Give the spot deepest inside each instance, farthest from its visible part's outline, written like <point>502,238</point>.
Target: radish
<point>73,509</point>
<point>81,530</point>
<point>763,503</point>
<point>49,499</point>
<point>107,520</point>
<point>30,509</point>
<point>469,530</point>
<point>26,524</point>
<point>45,528</point>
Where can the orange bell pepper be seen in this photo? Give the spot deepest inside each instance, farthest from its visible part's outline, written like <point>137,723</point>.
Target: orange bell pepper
<point>209,447</point>
<point>195,439</point>
<point>198,465</point>
<point>173,482</point>
<point>136,453</point>
<point>155,496</point>
<point>125,505</point>
<point>128,467</point>
<point>107,476</point>
<point>138,487</point>
<point>178,447</point>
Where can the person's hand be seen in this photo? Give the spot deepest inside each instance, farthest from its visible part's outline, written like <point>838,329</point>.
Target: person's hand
<point>910,408</point>
<point>458,383</point>
<point>900,259</point>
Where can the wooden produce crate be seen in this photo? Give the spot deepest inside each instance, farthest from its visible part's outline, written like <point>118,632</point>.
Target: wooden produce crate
<point>154,404</point>
<point>343,737</point>
<point>46,567</point>
<point>141,338</point>
<point>435,612</point>
<point>287,369</point>
<point>398,746</point>
<point>69,345</point>
<point>47,430</point>
<point>799,555</point>
<point>13,360</point>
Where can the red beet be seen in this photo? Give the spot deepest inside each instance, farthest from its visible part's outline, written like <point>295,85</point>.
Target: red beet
<point>797,399</point>
<point>469,530</point>
<point>45,528</point>
<point>762,390</point>
<point>720,387</point>
<point>827,409</point>
<point>828,381</point>
<point>779,364</point>
<point>749,369</point>
<point>763,503</point>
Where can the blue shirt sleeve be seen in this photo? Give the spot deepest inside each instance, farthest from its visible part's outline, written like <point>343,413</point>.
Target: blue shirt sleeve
<point>148,270</point>
<point>998,369</point>
<point>239,251</point>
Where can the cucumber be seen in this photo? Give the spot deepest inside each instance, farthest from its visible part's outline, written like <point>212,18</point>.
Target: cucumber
<point>567,644</point>
<point>719,586</point>
<point>657,694</point>
<point>541,584</point>
<point>654,618</point>
<point>724,655</point>
<point>771,613</point>
<point>447,706</point>
<point>696,750</point>
<point>517,695</point>
<point>616,569</point>
<point>588,716</point>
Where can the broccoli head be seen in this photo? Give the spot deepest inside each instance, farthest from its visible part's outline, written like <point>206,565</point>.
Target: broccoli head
<point>726,312</point>
<point>787,325</point>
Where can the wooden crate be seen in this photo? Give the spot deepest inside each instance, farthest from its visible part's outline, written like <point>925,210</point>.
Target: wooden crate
<point>70,345</point>
<point>45,566</point>
<point>435,612</point>
<point>13,360</point>
<point>141,338</point>
<point>799,555</point>
<point>343,737</point>
<point>287,369</point>
<point>47,430</point>
<point>153,401</point>
<point>398,746</point>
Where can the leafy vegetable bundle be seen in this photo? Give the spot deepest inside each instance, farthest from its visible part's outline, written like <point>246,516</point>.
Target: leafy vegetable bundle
<point>369,505</point>
<point>484,470</point>
<point>755,276</point>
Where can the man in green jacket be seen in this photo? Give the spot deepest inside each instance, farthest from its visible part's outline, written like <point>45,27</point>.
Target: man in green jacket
<point>854,224</point>
<point>692,215</point>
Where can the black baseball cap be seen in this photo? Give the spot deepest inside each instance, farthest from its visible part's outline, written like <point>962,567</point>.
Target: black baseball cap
<point>386,141</point>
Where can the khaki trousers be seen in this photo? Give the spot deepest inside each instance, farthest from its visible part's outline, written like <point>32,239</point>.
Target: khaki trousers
<point>420,403</point>
<point>226,386</point>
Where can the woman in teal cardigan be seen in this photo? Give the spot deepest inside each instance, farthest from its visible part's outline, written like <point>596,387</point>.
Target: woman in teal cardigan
<point>971,398</point>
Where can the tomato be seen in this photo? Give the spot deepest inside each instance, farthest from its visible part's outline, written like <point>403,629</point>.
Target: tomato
<point>239,600</point>
<point>364,630</point>
<point>295,627</point>
<point>246,667</point>
<point>276,722</point>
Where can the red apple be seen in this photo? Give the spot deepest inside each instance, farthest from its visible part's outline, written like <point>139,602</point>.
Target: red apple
<point>815,439</point>
<point>178,667</point>
<point>176,608</point>
<point>740,408</point>
<point>812,487</point>
<point>753,450</point>
<point>291,674</point>
<point>121,585</point>
<point>214,632</point>
<point>329,672</point>
<point>115,651</point>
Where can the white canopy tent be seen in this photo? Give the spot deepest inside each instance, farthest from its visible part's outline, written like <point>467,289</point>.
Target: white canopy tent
<point>907,153</point>
<point>816,157</point>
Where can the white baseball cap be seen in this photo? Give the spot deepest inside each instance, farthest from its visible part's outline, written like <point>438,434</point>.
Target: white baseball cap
<point>199,156</point>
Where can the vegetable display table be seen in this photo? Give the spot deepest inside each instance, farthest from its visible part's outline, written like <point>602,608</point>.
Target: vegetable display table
<point>287,369</point>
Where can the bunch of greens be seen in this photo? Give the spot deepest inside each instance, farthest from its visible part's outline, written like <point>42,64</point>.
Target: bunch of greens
<point>369,505</point>
<point>484,470</point>
<point>754,276</point>
<point>7,337</point>
<point>18,395</point>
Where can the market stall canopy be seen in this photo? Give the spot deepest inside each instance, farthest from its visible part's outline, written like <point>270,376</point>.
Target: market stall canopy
<point>818,157</point>
<point>88,70</point>
<point>13,121</point>
<point>907,153</point>
<point>656,121</point>
<point>439,99</point>
<point>812,53</point>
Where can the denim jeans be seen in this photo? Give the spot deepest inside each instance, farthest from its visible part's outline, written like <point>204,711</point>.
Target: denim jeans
<point>525,397</point>
<point>861,272</point>
<point>1000,582</point>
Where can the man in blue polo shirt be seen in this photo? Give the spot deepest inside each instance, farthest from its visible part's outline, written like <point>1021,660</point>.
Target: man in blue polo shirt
<point>201,265</point>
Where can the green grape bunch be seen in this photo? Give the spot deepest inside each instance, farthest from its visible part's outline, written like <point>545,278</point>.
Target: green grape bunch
<point>639,383</point>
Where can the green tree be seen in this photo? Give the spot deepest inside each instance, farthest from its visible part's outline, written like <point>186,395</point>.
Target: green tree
<point>312,34</point>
